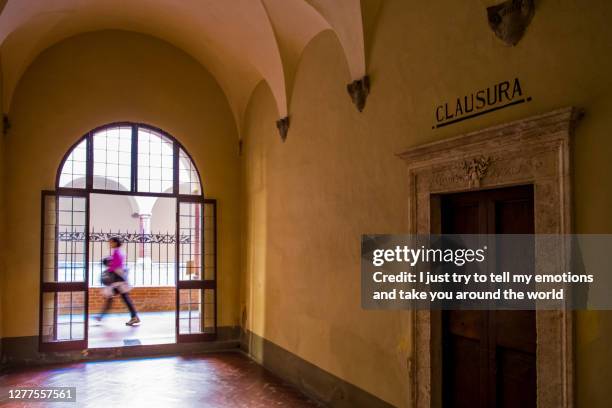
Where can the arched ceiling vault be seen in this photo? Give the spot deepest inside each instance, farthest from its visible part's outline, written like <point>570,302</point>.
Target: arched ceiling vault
<point>241,42</point>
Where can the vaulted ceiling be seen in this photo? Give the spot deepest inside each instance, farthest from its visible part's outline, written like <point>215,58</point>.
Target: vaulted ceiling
<point>241,42</point>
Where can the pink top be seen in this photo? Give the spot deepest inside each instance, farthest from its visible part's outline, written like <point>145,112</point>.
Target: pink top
<point>117,260</point>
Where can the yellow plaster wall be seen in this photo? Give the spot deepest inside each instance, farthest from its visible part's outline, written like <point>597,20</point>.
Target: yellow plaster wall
<point>90,80</point>
<point>308,200</point>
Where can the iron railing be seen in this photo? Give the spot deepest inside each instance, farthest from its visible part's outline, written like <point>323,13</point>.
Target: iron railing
<point>150,258</point>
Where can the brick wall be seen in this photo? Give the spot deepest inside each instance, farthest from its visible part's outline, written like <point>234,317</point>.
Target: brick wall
<point>64,300</point>
<point>146,299</point>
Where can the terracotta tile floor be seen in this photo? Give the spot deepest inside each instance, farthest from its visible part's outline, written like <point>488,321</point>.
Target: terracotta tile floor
<point>156,328</point>
<point>215,380</point>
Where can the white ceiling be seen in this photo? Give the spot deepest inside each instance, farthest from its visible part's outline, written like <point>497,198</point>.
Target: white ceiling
<point>241,42</point>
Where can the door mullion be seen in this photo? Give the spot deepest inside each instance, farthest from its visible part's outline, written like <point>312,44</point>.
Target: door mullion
<point>177,281</point>
<point>86,277</point>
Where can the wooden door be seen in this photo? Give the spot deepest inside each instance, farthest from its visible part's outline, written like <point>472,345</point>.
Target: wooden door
<point>489,357</point>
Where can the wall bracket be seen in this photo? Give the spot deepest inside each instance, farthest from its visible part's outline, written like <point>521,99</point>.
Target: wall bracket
<point>283,127</point>
<point>510,19</point>
<point>359,91</point>
<point>6,124</point>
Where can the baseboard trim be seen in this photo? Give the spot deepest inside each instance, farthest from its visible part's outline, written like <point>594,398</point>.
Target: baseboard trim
<point>23,351</point>
<point>313,381</point>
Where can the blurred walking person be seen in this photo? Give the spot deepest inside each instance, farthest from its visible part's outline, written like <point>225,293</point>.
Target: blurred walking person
<point>115,281</point>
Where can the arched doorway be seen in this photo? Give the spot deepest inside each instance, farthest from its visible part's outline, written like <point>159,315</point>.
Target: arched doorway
<point>145,168</point>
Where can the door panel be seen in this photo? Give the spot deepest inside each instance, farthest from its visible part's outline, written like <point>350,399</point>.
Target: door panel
<point>496,349</point>
<point>463,377</point>
<point>190,311</point>
<point>514,329</point>
<point>465,323</point>
<point>516,378</point>
<point>190,241</point>
<point>63,317</point>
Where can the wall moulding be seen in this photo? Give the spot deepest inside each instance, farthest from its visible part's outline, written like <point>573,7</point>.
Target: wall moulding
<point>536,151</point>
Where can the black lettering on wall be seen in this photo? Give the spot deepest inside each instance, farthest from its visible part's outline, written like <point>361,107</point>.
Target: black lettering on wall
<point>493,98</point>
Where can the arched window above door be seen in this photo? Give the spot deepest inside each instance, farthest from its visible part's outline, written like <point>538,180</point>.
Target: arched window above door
<point>131,158</point>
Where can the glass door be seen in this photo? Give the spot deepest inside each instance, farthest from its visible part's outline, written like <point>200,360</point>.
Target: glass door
<point>196,270</point>
<point>64,272</point>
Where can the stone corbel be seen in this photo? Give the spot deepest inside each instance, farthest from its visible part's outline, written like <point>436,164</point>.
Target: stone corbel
<point>510,19</point>
<point>359,91</point>
<point>283,127</point>
<point>6,124</point>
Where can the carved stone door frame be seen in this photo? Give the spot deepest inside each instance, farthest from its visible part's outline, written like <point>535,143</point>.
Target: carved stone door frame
<point>533,151</point>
